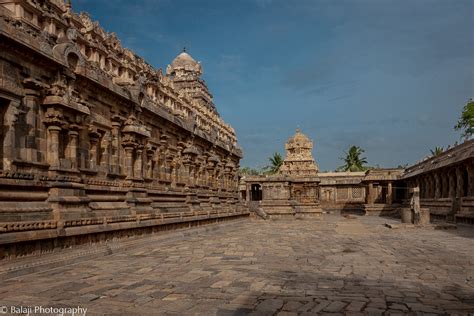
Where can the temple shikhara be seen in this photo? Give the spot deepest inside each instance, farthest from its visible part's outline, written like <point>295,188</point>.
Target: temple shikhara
<point>95,142</point>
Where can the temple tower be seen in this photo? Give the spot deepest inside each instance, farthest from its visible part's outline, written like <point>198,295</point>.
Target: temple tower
<point>299,160</point>
<point>185,73</point>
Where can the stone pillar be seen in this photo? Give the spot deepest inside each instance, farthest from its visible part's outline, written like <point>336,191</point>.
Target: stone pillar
<point>459,181</point>
<point>198,175</point>
<point>149,164</point>
<point>71,149</point>
<point>415,205</point>
<point>452,184</point>
<point>431,186</point>
<point>389,196</point>
<point>138,164</point>
<point>207,177</point>
<point>191,174</point>
<point>162,170</point>
<point>169,168</point>
<point>370,193</point>
<point>129,161</point>
<point>104,154</point>
<point>93,152</point>
<point>31,101</point>
<point>427,187</point>
<point>183,172</point>
<point>437,194</point>
<point>115,159</point>
<point>424,187</point>
<point>53,145</point>
<point>470,178</point>
<point>247,192</point>
<point>444,181</point>
<point>9,149</point>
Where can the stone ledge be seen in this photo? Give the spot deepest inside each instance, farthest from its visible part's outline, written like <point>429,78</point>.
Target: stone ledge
<point>33,235</point>
<point>28,265</point>
<point>440,226</point>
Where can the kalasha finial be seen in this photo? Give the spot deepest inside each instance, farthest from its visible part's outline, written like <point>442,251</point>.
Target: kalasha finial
<point>69,4</point>
<point>298,130</point>
<point>184,49</point>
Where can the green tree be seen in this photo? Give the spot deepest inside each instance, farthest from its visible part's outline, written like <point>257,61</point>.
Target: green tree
<point>247,171</point>
<point>436,151</point>
<point>466,121</point>
<point>275,163</point>
<point>353,160</point>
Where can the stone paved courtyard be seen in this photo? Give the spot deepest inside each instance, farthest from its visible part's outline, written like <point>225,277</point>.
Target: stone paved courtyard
<point>283,267</point>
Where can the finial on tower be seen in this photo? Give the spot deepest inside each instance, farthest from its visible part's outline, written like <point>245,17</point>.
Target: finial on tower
<point>184,49</point>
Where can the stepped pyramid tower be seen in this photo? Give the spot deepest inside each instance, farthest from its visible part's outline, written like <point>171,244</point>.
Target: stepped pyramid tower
<point>299,161</point>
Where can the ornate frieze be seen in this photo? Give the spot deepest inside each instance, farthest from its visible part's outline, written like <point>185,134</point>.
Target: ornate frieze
<point>107,137</point>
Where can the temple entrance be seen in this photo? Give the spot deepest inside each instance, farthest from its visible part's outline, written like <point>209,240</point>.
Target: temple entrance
<point>256,192</point>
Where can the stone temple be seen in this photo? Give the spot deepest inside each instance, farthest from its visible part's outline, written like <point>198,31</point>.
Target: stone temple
<point>100,154</point>
<point>299,160</point>
<point>96,144</point>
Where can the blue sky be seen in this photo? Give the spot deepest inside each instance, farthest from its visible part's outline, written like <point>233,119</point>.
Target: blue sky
<point>389,76</point>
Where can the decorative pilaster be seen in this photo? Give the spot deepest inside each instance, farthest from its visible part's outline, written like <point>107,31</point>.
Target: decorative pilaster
<point>9,149</point>
<point>138,164</point>
<point>129,161</point>
<point>31,103</point>
<point>93,144</point>
<point>71,150</point>
<point>53,145</point>
<point>115,153</point>
<point>105,153</point>
<point>33,91</point>
<point>149,163</point>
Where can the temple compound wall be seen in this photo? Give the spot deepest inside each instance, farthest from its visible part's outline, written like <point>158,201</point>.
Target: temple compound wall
<point>446,184</point>
<point>445,181</point>
<point>299,189</point>
<point>95,143</point>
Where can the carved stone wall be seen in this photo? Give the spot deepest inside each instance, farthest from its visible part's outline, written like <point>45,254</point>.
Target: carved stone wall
<point>94,140</point>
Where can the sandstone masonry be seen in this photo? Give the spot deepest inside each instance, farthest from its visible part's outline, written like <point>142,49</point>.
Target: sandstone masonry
<point>95,143</point>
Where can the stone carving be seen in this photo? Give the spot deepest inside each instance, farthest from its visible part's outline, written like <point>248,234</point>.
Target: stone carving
<point>299,160</point>
<point>103,136</point>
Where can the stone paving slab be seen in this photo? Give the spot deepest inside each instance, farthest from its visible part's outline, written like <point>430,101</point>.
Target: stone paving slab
<point>332,266</point>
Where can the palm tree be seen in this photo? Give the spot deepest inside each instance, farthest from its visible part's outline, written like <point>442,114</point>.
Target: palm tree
<point>275,162</point>
<point>436,151</point>
<point>353,160</point>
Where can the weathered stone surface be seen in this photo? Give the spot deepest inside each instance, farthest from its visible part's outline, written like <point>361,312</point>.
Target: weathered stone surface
<point>96,144</point>
<point>288,263</point>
